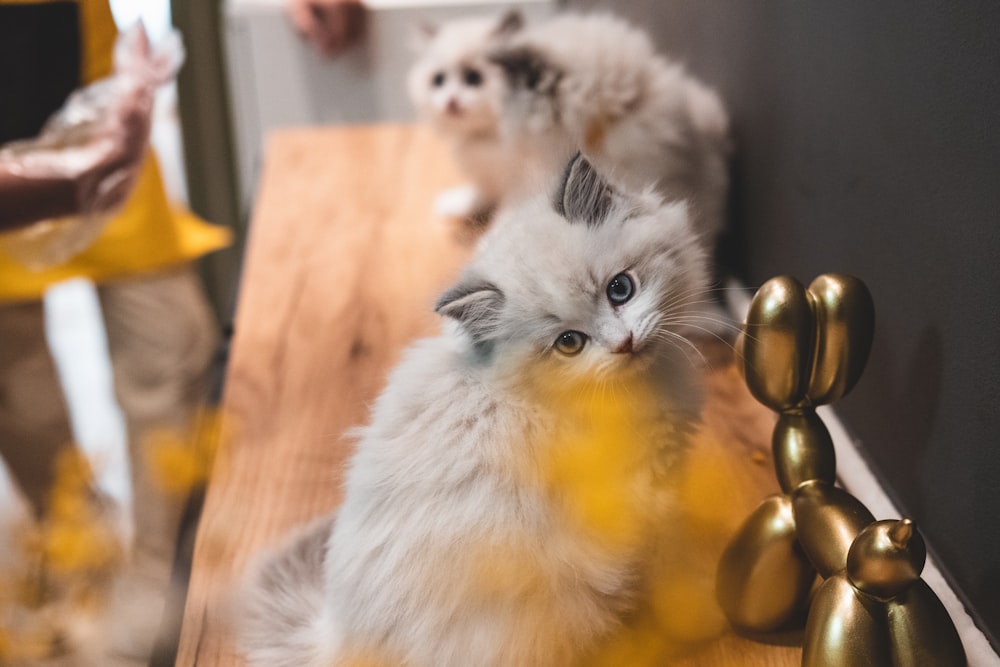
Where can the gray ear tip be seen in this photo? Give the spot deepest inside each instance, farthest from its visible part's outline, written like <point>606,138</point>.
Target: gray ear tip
<point>559,196</point>
<point>446,299</point>
<point>583,194</point>
<point>511,21</point>
<point>573,160</point>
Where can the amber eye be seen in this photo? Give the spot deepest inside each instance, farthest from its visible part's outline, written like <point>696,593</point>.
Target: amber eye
<point>438,79</point>
<point>620,289</point>
<point>570,342</point>
<point>473,77</point>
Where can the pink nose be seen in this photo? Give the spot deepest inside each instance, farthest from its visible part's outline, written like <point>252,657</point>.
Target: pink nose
<point>454,108</point>
<point>624,346</point>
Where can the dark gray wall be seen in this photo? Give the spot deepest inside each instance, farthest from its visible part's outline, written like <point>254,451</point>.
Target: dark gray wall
<point>869,144</point>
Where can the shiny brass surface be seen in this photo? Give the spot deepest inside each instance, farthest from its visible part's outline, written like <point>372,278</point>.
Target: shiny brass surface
<point>777,349</point>
<point>921,630</point>
<point>845,629</point>
<point>802,450</point>
<point>886,557</point>
<point>827,519</point>
<point>763,577</point>
<point>849,627</point>
<point>845,324</point>
<point>803,348</point>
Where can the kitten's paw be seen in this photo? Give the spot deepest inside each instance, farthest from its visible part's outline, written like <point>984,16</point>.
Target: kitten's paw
<point>461,202</point>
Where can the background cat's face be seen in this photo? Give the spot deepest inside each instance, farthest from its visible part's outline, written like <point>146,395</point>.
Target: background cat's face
<point>453,84</point>
<point>600,287</point>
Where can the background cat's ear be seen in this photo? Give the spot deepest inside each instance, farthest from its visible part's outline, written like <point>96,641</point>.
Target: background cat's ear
<point>583,195</point>
<point>475,303</point>
<point>511,22</point>
<point>422,32</point>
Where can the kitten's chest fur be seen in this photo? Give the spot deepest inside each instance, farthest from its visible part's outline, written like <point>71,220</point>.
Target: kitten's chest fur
<point>542,509</point>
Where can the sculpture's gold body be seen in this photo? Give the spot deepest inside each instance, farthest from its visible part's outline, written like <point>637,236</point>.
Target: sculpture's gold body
<point>764,576</point>
<point>802,450</point>
<point>827,519</point>
<point>803,348</point>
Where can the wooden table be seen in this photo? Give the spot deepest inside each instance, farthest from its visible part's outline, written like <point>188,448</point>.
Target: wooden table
<point>344,262</point>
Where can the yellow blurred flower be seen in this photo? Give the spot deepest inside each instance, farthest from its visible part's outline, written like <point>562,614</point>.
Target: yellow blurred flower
<point>181,461</point>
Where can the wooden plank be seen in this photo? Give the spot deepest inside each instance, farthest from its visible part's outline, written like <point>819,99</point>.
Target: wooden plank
<point>344,261</point>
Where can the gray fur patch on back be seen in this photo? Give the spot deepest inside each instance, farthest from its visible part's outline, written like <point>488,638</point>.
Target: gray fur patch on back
<point>527,69</point>
<point>282,603</point>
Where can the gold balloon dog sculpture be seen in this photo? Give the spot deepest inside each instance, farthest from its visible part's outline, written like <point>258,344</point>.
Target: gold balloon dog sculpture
<point>803,348</point>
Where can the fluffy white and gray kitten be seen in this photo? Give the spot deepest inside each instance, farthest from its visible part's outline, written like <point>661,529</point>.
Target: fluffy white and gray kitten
<point>514,489</point>
<point>589,81</point>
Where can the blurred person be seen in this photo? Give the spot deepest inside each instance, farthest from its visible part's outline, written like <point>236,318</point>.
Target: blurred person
<point>161,332</point>
<point>331,25</point>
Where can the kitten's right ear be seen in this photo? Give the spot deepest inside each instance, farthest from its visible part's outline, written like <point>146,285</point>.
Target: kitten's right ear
<point>583,195</point>
<point>475,303</point>
<point>512,21</point>
<point>422,33</point>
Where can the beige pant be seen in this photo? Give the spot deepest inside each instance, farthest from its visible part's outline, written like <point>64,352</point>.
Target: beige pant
<point>161,339</point>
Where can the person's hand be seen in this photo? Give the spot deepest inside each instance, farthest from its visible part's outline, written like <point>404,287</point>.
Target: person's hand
<point>332,25</point>
<point>76,169</point>
<point>111,160</point>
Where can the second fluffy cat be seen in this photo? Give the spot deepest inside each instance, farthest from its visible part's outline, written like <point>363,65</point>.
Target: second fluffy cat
<point>516,100</point>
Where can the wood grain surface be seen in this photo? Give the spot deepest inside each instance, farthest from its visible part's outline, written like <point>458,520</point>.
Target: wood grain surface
<point>345,259</point>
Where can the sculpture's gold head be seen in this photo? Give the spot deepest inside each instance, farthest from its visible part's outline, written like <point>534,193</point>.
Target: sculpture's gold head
<point>886,557</point>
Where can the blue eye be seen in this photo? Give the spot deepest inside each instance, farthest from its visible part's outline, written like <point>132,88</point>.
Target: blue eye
<point>620,289</point>
<point>570,343</point>
<point>438,80</point>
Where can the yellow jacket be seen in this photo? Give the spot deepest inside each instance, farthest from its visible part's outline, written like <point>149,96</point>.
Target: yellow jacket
<point>149,233</point>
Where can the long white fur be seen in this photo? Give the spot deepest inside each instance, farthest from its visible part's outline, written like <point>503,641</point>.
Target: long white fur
<point>445,482</point>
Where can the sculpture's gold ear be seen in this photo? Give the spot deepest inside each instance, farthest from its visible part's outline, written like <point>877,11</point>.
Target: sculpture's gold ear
<point>845,325</point>
<point>807,346</point>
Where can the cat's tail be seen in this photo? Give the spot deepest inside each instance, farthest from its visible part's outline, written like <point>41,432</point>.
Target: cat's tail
<point>709,116</point>
<point>281,619</point>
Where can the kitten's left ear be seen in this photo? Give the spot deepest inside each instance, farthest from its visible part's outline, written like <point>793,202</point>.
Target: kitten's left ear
<point>583,195</point>
<point>475,303</point>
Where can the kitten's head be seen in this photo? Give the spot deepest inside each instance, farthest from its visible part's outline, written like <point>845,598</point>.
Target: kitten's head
<point>591,282</point>
<point>453,84</point>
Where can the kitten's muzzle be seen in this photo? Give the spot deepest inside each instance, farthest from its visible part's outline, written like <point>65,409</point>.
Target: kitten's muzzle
<point>624,347</point>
